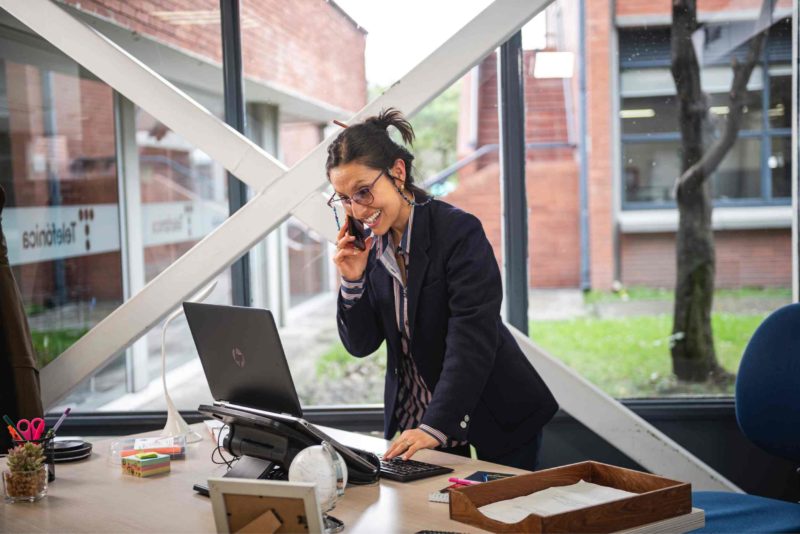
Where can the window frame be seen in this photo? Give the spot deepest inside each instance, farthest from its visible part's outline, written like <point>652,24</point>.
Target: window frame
<point>765,134</point>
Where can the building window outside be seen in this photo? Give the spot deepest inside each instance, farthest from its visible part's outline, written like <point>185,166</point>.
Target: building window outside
<point>756,171</point>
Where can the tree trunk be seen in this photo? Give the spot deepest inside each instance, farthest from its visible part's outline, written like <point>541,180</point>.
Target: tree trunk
<point>693,356</point>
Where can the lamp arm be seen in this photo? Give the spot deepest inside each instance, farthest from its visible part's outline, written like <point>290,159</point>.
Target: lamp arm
<point>200,297</point>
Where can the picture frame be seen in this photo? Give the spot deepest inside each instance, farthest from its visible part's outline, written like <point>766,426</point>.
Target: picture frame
<point>245,506</point>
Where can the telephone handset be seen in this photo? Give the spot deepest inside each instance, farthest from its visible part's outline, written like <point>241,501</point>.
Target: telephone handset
<point>279,437</point>
<point>356,229</point>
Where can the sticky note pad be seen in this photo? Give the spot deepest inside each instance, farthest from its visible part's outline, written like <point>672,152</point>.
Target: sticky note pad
<point>146,464</point>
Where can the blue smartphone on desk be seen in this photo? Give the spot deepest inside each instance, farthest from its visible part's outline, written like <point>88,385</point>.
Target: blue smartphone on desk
<point>487,476</point>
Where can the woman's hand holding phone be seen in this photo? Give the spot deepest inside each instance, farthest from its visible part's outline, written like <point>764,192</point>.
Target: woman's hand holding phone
<point>349,260</point>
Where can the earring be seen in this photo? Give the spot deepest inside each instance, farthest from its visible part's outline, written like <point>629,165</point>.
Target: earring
<point>409,201</point>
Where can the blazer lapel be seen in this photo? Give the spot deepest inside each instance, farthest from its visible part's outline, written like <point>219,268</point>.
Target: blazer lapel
<point>418,265</point>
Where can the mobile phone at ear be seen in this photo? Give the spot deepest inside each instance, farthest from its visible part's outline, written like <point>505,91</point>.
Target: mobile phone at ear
<point>356,229</point>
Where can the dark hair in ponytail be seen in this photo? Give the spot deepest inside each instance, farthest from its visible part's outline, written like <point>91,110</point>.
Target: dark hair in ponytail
<point>368,143</point>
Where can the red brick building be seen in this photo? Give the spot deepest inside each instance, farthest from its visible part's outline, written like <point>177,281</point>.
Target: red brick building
<point>303,65</point>
<point>633,143</point>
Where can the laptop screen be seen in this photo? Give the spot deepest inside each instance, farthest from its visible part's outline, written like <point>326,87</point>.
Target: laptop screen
<point>242,357</point>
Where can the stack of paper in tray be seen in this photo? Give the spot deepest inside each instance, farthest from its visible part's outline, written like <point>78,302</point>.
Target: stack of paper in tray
<point>146,464</point>
<point>551,501</point>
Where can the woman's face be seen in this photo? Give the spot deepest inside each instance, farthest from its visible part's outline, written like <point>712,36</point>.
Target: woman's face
<point>354,179</point>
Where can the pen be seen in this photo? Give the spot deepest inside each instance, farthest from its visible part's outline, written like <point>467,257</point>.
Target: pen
<point>463,481</point>
<point>14,435</point>
<point>60,420</point>
<point>8,421</point>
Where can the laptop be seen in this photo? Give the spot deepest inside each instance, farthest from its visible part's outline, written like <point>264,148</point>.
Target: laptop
<point>246,369</point>
<point>242,357</point>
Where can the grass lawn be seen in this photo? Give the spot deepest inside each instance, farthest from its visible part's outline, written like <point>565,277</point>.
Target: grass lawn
<point>629,357</point>
<point>48,344</point>
<point>651,293</point>
<point>336,363</point>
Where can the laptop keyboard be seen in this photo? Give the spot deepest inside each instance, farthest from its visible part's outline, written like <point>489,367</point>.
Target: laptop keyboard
<point>408,470</point>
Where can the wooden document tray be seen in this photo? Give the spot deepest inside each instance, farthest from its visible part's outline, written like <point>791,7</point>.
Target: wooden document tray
<point>658,498</point>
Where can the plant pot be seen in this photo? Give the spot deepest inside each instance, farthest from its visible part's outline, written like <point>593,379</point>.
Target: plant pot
<point>48,446</point>
<point>25,486</point>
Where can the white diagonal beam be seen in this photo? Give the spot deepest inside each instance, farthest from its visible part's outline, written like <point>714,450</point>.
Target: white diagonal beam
<point>611,420</point>
<point>251,223</point>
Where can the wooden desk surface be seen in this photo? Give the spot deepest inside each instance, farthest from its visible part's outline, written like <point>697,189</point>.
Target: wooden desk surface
<point>94,496</point>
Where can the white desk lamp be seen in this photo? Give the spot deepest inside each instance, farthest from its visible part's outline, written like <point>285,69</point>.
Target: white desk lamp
<point>176,425</point>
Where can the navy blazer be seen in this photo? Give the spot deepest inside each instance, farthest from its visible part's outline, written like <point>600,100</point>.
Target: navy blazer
<point>483,389</point>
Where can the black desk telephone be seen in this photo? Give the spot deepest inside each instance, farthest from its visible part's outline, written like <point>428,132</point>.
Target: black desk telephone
<point>265,440</point>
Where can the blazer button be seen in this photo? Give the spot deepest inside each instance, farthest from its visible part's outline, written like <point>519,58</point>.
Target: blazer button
<point>463,424</point>
<point>466,418</point>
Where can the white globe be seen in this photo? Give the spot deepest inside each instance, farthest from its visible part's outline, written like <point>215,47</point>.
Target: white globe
<point>316,464</point>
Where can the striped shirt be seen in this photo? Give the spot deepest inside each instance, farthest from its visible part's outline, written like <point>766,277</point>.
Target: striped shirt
<point>413,395</point>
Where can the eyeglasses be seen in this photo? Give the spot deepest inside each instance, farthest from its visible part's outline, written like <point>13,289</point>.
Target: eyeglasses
<point>363,196</point>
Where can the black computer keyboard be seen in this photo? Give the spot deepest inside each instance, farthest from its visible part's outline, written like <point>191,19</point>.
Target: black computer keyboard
<point>408,470</point>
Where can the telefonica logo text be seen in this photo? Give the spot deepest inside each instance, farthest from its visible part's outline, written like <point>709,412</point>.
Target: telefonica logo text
<point>50,235</point>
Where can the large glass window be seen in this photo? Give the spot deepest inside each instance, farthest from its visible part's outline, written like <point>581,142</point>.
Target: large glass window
<point>602,274</point>
<point>58,169</point>
<point>59,165</point>
<point>59,136</point>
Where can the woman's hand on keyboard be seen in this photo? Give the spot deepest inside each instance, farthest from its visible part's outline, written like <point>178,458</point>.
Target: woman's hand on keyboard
<point>409,442</point>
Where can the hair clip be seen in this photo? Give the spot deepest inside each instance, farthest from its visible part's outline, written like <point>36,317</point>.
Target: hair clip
<point>339,123</point>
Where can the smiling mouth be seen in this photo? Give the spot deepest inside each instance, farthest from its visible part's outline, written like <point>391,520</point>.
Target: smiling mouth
<point>372,219</point>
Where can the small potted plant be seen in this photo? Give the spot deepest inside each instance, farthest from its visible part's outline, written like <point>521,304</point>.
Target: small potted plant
<point>25,480</point>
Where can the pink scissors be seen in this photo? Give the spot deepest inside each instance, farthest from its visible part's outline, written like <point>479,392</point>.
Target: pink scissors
<point>30,429</point>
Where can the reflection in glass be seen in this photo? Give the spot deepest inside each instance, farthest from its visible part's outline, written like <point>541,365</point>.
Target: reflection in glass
<point>649,170</point>
<point>649,104</point>
<point>57,166</point>
<point>184,193</point>
<point>308,263</point>
<point>739,174</point>
<point>780,94</point>
<point>183,197</point>
<point>649,114</point>
<point>780,166</point>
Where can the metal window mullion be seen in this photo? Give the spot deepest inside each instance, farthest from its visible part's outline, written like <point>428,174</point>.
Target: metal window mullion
<point>235,117</point>
<point>512,160</point>
<point>130,230</point>
<point>583,178</point>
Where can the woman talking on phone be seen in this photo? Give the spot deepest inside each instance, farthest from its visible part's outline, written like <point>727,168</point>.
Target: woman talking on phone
<point>426,281</point>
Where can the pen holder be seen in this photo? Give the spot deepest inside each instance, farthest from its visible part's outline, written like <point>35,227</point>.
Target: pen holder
<point>48,446</point>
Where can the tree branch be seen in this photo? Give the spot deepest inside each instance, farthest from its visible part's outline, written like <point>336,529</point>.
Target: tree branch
<point>685,70</point>
<point>695,175</point>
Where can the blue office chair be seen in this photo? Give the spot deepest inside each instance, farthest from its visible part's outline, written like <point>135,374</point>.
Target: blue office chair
<point>768,412</point>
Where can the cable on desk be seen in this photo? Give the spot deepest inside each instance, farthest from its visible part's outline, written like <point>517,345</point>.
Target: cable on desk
<point>218,451</point>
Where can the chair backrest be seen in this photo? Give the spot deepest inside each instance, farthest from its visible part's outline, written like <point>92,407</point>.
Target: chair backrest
<point>768,385</point>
